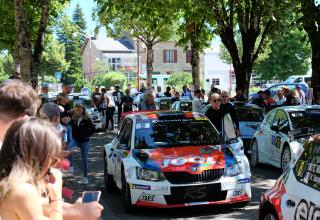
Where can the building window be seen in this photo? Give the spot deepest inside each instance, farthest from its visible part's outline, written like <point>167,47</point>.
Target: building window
<point>216,82</point>
<point>115,64</point>
<point>188,56</point>
<point>170,56</point>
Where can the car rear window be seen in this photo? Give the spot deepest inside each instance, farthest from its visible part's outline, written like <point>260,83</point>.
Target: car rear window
<point>249,114</point>
<point>305,119</point>
<point>307,168</point>
<point>171,133</point>
<point>186,106</point>
<point>165,104</point>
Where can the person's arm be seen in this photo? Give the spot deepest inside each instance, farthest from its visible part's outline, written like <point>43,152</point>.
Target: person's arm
<point>82,211</point>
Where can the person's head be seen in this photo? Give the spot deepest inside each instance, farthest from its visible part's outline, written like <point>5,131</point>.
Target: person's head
<point>96,89</point>
<point>103,90</point>
<point>177,95</point>
<point>203,93</point>
<point>17,99</point>
<point>44,88</point>
<point>260,93</point>
<point>184,87</point>
<point>197,93</point>
<point>66,88</point>
<point>213,85</point>
<point>62,99</point>
<point>266,94</point>
<point>158,88</point>
<point>168,88</point>
<point>51,112</point>
<point>148,96</point>
<point>224,97</point>
<point>295,93</point>
<point>286,90</point>
<point>127,91</point>
<point>64,118</point>
<point>31,146</point>
<point>238,91</point>
<point>280,94</point>
<point>79,111</point>
<point>215,101</point>
<point>117,88</point>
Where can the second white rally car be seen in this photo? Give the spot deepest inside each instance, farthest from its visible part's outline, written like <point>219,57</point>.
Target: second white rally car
<point>282,133</point>
<point>175,159</point>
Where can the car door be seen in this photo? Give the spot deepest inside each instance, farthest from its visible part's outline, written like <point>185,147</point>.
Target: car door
<point>264,140</point>
<point>123,148</point>
<point>279,136</point>
<point>302,197</point>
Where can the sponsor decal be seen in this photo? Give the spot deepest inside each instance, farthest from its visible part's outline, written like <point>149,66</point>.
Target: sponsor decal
<point>194,159</point>
<point>195,193</point>
<point>130,171</point>
<point>143,187</point>
<point>276,141</point>
<point>305,211</point>
<point>246,180</point>
<point>142,125</point>
<point>147,197</point>
<point>160,188</point>
<point>238,192</point>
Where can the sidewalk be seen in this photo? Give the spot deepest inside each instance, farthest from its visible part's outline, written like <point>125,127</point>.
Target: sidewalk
<point>95,167</point>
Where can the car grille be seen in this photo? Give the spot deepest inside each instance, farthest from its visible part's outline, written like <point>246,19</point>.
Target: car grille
<point>199,193</point>
<point>185,178</point>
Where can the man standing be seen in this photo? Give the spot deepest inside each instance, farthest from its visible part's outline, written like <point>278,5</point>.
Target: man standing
<point>44,93</point>
<point>168,92</point>
<point>127,102</point>
<point>196,102</point>
<point>26,102</point>
<point>227,108</point>
<point>214,113</point>
<point>118,96</point>
<point>186,92</point>
<point>302,95</point>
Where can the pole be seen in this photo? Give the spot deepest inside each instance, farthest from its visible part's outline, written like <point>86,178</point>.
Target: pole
<point>90,59</point>
<point>138,64</point>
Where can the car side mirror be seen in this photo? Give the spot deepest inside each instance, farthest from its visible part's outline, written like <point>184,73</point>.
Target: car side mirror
<point>275,128</point>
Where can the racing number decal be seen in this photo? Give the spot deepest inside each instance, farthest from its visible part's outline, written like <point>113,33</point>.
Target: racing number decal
<point>195,193</point>
<point>276,141</point>
<point>305,212</point>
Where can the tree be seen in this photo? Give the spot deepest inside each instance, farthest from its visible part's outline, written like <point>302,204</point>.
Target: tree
<point>178,80</point>
<point>289,55</point>
<point>6,66</point>
<point>194,30</point>
<point>256,21</point>
<point>78,18</point>
<point>110,79</point>
<point>151,21</point>
<point>311,22</point>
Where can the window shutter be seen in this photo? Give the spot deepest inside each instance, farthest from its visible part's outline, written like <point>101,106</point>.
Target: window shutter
<point>188,56</point>
<point>175,56</point>
<point>164,56</point>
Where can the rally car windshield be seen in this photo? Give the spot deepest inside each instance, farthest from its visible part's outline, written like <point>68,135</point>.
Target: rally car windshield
<point>249,114</point>
<point>305,119</point>
<point>171,133</point>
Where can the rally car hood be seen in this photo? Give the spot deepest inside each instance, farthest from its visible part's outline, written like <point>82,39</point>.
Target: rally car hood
<point>247,129</point>
<point>192,159</point>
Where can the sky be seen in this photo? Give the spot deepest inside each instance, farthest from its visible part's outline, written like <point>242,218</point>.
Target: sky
<point>87,8</point>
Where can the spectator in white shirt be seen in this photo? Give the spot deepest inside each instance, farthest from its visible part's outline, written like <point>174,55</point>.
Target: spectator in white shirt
<point>302,96</point>
<point>280,99</point>
<point>196,102</point>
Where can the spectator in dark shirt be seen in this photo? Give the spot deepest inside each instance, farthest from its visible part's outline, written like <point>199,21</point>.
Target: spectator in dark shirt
<point>186,92</point>
<point>288,95</point>
<point>168,93</point>
<point>214,113</point>
<point>227,108</point>
<point>127,101</point>
<point>176,97</point>
<point>259,101</point>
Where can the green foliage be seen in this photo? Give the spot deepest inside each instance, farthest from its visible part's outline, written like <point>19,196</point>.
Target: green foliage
<point>289,55</point>
<point>110,79</point>
<point>78,18</point>
<point>180,79</point>
<point>49,79</point>
<point>6,66</point>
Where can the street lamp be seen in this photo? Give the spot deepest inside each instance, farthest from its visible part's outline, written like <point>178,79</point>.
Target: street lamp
<point>90,57</point>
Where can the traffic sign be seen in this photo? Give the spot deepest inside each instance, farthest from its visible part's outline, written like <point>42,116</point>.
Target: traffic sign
<point>85,91</point>
<point>58,75</point>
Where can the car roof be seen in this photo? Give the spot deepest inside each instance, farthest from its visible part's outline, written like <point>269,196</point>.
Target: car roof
<point>146,115</point>
<point>299,107</point>
<point>244,104</point>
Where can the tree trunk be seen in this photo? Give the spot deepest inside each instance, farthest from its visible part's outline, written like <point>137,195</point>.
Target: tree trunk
<point>195,64</point>
<point>243,75</point>
<point>315,78</point>
<point>149,65</point>
<point>16,64</point>
<point>38,47</point>
<point>23,41</point>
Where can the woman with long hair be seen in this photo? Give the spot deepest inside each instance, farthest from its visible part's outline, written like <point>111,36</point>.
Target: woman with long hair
<point>82,129</point>
<point>27,180</point>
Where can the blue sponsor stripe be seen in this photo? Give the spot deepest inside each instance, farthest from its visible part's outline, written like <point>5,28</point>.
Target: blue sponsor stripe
<point>246,180</point>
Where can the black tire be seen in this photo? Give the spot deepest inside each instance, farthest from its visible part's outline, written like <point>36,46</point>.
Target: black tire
<point>125,190</point>
<point>241,204</point>
<point>269,214</point>
<point>108,179</point>
<point>254,153</point>
<point>285,150</point>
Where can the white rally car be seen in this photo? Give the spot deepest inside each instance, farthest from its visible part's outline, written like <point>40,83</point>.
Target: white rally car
<point>282,133</point>
<point>296,194</point>
<point>175,159</point>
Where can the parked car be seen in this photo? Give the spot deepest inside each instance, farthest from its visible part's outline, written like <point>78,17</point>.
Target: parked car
<point>163,103</point>
<point>174,159</point>
<point>92,110</point>
<point>275,88</point>
<point>281,133</point>
<point>182,105</point>
<point>298,79</point>
<point>296,194</point>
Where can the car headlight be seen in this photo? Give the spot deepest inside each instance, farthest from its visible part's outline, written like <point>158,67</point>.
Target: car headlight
<point>232,170</point>
<point>149,175</point>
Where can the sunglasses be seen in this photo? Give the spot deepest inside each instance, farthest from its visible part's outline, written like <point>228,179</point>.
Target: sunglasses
<point>225,96</point>
<point>216,100</point>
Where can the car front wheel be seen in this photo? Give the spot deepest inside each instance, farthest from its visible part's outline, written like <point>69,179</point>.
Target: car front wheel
<point>285,158</point>
<point>254,153</point>
<point>125,189</point>
<point>108,179</point>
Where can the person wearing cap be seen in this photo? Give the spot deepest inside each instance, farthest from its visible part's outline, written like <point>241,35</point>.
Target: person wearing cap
<point>44,93</point>
<point>302,95</point>
<point>118,96</point>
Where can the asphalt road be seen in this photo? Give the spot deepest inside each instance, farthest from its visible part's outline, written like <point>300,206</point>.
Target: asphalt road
<point>263,178</point>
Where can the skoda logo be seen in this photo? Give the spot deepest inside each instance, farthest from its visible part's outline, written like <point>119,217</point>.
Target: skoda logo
<point>194,169</point>
<point>206,150</point>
